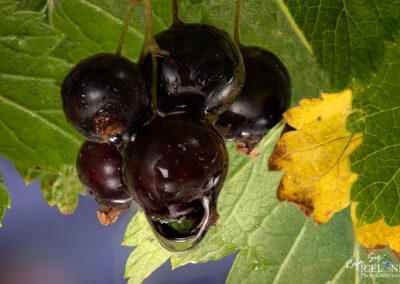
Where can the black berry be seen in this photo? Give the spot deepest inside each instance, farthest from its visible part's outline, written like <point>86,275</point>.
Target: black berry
<point>175,167</point>
<point>105,96</point>
<point>203,72</point>
<point>264,98</point>
<point>101,170</point>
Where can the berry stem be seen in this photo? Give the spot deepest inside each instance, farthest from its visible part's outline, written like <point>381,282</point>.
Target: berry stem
<point>237,20</point>
<point>150,43</point>
<point>126,25</point>
<point>151,46</point>
<point>175,13</point>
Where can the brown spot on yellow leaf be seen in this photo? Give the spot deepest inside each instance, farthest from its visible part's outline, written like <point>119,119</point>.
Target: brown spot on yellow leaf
<point>304,207</point>
<point>277,155</point>
<point>316,156</point>
<point>378,235</point>
<point>371,250</point>
<point>298,200</point>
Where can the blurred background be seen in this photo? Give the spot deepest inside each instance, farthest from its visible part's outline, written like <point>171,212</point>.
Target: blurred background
<point>39,245</point>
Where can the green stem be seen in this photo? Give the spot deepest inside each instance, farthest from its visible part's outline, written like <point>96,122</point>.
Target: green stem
<point>151,46</point>
<point>126,25</point>
<point>175,13</point>
<point>237,19</point>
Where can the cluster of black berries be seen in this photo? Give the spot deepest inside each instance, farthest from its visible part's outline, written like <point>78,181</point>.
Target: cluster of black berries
<point>170,159</point>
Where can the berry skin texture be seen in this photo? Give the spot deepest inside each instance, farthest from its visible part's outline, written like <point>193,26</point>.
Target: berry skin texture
<point>105,96</point>
<point>175,167</point>
<point>101,170</point>
<point>266,95</point>
<point>203,72</point>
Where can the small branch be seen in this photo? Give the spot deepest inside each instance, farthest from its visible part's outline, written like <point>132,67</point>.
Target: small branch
<point>151,46</point>
<point>126,25</point>
<point>175,13</point>
<point>237,20</point>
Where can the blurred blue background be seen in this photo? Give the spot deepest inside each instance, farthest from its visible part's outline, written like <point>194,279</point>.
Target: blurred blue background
<point>39,245</point>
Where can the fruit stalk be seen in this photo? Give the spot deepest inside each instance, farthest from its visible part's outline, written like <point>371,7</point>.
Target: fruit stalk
<point>175,14</point>
<point>237,19</point>
<point>151,46</point>
<point>126,25</point>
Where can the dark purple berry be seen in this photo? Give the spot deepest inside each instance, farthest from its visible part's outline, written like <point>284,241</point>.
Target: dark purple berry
<point>266,95</point>
<point>175,167</point>
<point>105,96</point>
<point>101,170</point>
<point>203,72</point>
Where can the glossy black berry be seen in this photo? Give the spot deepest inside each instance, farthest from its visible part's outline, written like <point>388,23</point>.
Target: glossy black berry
<point>203,72</point>
<point>105,96</point>
<point>264,98</point>
<point>101,170</point>
<point>175,167</point>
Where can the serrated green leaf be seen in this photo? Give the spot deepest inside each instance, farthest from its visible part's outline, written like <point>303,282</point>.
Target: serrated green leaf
<point>62,190</point>
<point>377,161</point>
<point>4,199</point>
<point>349,273</point>
<point>29,175</point>
<point>31,117</point>
<point>293,251</point>
<point>347,36</point>
<point>148,254</point>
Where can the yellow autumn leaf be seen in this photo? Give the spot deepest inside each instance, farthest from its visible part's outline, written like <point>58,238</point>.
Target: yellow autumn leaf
<point>378,235</point>
<point>316,156</point>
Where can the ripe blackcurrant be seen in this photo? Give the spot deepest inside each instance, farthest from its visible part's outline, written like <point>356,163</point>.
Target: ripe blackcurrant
<point>264,98</point>
<point>203,72</point>
<point>266,94</point>
<point>105,96</point>
<point>101,170</point>
<point>175,167</point>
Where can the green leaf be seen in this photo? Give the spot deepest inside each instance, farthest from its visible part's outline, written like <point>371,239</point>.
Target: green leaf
<point>349,273</point>
<point>304,253</point>
<point>4,199</point>
<point>31,117</point>
<point>32,5</point>
<point>377,161</point>
<point>347,36</point>
<point>29,175</point>
<point>148,254</point>
<point>62,190</point>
